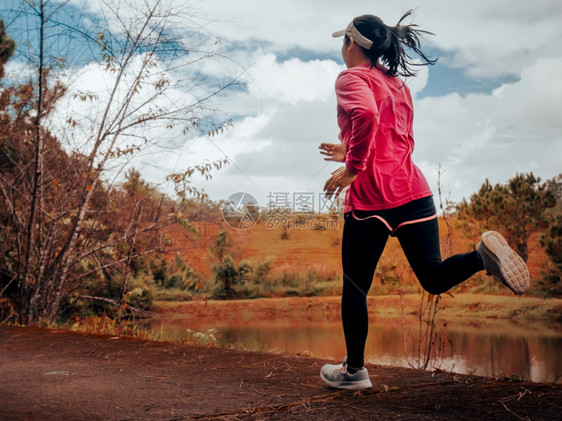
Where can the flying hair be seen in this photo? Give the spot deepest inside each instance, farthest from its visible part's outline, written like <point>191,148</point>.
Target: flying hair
<point>390,44</point>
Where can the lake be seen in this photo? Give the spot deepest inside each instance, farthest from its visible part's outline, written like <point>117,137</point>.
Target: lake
<point>482,347</point>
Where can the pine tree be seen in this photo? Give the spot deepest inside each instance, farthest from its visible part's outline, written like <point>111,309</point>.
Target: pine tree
<point>516,209</point>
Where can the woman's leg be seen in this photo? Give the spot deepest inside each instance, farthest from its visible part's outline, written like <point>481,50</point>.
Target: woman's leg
<point>362,245</point>
<point>420,243</point>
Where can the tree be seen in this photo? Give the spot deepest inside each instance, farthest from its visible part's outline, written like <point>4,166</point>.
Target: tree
<point>517,209</point>
<point>551,283</point>
<point>7,47</point>
<point>227,272</point>
<point>555,184</point>
<point>62,142</point>
<point>552,242</point>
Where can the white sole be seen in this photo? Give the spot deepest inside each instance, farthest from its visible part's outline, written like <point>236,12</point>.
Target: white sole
<point>362,384</point>
<point>513,271</point>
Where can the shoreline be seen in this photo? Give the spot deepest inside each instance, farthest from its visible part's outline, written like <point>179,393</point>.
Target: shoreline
<point>478,306</point>
<point>471,332</point>
<point>50,375</point>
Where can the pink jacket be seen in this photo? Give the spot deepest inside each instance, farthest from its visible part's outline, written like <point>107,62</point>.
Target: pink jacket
<point>375,116</point>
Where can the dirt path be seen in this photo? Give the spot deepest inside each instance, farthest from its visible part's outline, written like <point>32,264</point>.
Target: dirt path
<point>48,375</point>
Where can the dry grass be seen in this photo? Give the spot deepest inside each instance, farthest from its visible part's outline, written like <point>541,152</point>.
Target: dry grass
<point>462,307</point>
<point>307,251</point>
<point>478,307</point>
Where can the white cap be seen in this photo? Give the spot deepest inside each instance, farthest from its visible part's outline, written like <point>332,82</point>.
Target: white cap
<point>352,32</point>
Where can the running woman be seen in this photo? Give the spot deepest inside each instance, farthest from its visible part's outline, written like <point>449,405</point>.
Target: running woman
<point>387,193</point>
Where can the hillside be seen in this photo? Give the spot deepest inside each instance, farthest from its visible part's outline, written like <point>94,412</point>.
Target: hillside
<point>304,249</point>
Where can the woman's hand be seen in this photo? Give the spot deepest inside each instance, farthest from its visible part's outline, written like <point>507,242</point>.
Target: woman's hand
<point>334,152</point>
<point>340,179</point>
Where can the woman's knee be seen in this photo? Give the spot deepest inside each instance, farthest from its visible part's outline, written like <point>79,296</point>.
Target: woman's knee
<point>430,279</point>
<point>432,287</point>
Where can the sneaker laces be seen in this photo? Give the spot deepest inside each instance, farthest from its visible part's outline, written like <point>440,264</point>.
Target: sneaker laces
<point>341,368</point>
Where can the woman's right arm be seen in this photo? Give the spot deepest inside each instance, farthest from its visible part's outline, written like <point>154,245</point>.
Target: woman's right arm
<point>356,98</point>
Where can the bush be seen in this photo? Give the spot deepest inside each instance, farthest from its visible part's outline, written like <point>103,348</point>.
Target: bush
<point>141,292</point>
<point>175,275</point>
<point>230,276</point>
<point>288,284</point>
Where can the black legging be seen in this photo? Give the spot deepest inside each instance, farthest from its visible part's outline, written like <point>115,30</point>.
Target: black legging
<point>362,245</point>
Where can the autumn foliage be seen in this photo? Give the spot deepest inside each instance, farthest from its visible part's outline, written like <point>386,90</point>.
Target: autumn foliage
<point>62,256</point>
<point>70,238</point>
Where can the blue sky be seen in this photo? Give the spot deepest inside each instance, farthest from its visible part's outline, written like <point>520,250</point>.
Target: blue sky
<point>489,108</point>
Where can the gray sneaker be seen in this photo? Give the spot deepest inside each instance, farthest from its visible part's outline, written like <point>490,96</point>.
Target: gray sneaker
<point>504,263</point>
<point>337,376</point>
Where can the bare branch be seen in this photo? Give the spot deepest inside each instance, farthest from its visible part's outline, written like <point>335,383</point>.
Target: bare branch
<point>108,300</point>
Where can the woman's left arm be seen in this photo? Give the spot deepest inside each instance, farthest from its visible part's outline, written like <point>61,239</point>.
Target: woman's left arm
<point>340,179</point>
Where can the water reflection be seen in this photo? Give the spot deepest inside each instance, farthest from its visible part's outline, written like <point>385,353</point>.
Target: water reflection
<point>483,349</point>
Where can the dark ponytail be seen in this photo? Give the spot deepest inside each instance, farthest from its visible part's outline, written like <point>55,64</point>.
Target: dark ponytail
<point>388,44</point>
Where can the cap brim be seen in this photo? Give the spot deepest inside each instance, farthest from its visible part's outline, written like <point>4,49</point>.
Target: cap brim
<point>339,33</point>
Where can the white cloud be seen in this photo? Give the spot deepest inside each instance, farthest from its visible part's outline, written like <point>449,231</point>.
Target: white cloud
<point>488,39</point>
<point>532,106</point>
<point>94,90</point>
<point>292,109</point>
<point>416,84</point>
<point>287,107</point>
<point>497,38</point>
<point>293,80</point>
<point>515,129</point>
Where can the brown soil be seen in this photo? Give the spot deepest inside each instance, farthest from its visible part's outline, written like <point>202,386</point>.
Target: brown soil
<point>48,375</point>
